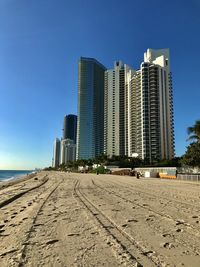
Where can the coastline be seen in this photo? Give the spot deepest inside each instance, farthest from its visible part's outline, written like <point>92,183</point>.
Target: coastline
<point>12,181</point>
<point>12,174</point>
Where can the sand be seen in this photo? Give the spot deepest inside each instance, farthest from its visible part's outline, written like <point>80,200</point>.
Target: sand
<point>68,219</point>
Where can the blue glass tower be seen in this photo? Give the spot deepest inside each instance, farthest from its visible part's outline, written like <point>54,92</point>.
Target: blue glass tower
<point>90,128</point>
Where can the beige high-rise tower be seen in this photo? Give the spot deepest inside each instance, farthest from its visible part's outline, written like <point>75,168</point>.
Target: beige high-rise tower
<point>114,110</point>
<point>150,124</point>
<point>138,109</point>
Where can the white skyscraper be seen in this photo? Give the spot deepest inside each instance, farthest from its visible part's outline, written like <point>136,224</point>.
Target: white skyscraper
<point>114,110</point>
<point>68,151</point>
<point>149,111</point>
<point>133,114</point>
<point>56,153</point>
<point>138,109</point>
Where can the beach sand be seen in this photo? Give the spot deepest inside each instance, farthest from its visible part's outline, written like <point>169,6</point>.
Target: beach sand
<point>68,219</point>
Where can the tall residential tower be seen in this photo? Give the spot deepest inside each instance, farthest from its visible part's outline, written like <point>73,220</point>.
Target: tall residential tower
<point>114,110</point>
<point>150,127</point>
<point>90,135</point>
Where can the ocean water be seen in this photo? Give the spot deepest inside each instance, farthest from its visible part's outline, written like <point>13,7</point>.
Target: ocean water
<point>11,174</point>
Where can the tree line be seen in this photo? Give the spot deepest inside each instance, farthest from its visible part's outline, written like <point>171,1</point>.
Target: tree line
<point>190,158</point>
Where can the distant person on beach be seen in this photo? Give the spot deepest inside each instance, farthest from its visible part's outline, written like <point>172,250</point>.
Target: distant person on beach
<point>138,175</point>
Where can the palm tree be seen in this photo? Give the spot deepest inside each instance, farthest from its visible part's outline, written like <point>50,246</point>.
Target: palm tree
<point>194,131</point>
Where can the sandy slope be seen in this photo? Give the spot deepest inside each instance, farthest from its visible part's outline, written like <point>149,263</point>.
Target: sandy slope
<point>60,219</point>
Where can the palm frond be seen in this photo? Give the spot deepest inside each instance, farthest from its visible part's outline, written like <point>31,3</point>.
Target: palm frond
<point>190,130</point>
<point>192,137</point>
<point>194,131</point>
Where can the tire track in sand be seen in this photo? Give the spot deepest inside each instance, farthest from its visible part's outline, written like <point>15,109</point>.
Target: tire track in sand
<point>126,248</point>
<point>195,232</point>
<point>22,253</point>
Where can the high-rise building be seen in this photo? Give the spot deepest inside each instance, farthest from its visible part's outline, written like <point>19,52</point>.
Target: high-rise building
<point>90,135</point>
<point>56,153</point>
<point>133,114</point>
<point>68,151</point>
<point>114,110</point>
<point>150,125</point>
<point>70,127</point>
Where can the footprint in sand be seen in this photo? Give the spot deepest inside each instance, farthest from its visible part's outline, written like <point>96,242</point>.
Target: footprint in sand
<point>73,234</point>
<point>13,225</point>
<point>38,224</point>
<point>132,220</point>
<point>179,230</point>
<point>94,233</point>
<point>167,245</point>
<point>178,222</point>
<point>115,210</point>
<point>149,219</point>
<point>148,253</point>
<point>52,241</point>
<point>166,235</point>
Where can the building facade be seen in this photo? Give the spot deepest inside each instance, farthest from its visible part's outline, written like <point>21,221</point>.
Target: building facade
<point>114,110</point>
<point>133,114</point>
<point>123,111</point>
<point>150,124</point>
<point>68,151</point>
<point>70,127</point>
<point>56,153</point>
<point>90,134</point>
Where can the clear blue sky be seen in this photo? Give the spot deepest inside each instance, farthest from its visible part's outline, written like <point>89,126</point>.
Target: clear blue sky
<point>41,42</point>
